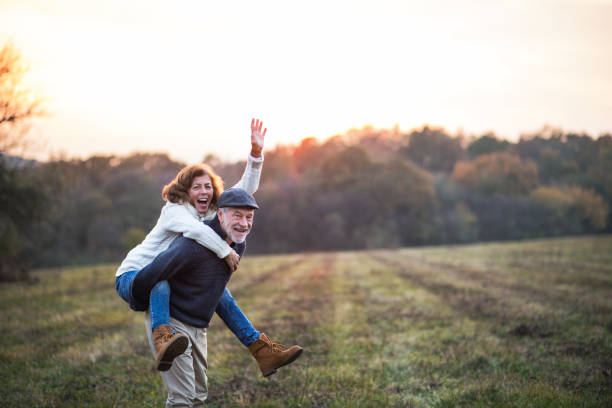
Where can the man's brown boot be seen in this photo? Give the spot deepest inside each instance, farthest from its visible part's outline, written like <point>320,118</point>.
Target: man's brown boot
<point>168,346</point>
<point>271,356</point>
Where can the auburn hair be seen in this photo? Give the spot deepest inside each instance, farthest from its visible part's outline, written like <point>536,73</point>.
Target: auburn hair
<point>177,191</point>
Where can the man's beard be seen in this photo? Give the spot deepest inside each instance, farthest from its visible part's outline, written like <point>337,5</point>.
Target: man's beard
<point>231,233</point>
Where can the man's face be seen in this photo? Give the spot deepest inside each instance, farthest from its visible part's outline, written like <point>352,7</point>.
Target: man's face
<point>236,222</point>
<point>200,193</point>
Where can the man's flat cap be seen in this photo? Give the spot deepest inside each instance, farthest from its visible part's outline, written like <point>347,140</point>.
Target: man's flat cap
<point>236,197</point>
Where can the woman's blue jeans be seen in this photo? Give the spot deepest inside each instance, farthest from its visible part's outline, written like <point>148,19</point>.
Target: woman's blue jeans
<point>232,316</point>
<point>159,308</point>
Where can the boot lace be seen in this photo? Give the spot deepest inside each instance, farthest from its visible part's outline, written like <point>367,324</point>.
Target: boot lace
<point>277,347</point>
<point>164,338</point>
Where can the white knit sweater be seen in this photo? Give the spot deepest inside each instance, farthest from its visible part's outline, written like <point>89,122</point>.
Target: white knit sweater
<point>182,219</point>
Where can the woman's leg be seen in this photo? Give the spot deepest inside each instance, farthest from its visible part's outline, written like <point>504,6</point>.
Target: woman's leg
<point>168,344</point>
<point>159,301</point>
<point>237,322</point>
<point>123,284</point>
<point>159,305</point>
<point>269,356</point>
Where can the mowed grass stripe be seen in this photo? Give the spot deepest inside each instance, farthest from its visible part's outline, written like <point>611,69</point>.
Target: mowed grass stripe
<point>468,355</point>
<point>569,294</point>
<point>257,271</point>
<point>290,307</point>
<point>426,345</point>
<point>584,261</point>
<point>348,370</point>
<point>66,310</point>
<point>373,349</point>
<point>489,292</point>
<point>77,343</point>
<point>574,266</point>
<point>571,360</point>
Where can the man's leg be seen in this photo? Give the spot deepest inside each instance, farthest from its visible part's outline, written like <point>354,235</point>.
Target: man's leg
<point>199,354</point>
<point>186,381</point>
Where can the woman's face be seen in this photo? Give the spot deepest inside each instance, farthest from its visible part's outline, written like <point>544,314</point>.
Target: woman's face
<point>201,193</point>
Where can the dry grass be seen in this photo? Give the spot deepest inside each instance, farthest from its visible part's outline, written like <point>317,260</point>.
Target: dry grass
<point>512,324</point>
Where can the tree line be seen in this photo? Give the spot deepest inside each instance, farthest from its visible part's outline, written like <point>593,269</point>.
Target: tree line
<point>381,188</point>
<point>368,188</point>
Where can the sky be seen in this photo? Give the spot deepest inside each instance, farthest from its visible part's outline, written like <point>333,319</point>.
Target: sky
<point>186,77</point>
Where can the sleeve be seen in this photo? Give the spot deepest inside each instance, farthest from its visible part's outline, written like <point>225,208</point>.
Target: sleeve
<point>250,177</point>
<point>177,219</point>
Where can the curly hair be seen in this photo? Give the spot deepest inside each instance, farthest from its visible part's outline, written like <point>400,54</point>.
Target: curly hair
<point>177,191</point>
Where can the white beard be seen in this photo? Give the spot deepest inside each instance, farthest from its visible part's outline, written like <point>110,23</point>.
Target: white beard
<point>237,240</point>
<point>230,233</point>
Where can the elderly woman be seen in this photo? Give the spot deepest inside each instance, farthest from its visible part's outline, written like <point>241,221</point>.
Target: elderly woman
<point>191,198</point>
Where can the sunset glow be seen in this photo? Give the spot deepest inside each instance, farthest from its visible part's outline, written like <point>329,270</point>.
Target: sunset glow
<point>187,77</point>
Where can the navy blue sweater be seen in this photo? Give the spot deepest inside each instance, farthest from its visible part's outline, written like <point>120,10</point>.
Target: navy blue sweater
<point>197,278</point>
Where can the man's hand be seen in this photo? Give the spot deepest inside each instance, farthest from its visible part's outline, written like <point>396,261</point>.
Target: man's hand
<point>232,261</point>
<point>257,137</point>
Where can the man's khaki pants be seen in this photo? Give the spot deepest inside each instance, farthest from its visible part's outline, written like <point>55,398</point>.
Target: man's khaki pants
<point>186,380</point>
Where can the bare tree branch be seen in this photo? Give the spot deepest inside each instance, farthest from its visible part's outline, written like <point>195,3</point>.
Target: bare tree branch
<point>18,104</point>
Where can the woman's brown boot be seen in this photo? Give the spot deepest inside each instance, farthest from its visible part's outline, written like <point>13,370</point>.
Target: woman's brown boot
<point>168,346</point>
<point>271,356</point>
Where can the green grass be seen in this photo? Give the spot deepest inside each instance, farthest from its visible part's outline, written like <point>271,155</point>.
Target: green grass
<point>525,324</point>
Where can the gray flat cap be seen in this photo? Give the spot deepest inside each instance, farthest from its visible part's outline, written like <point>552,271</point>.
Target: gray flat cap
<point>236,197</point>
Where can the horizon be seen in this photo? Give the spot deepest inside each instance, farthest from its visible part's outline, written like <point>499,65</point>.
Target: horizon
<point>546,131</point>
<point>186,79</point>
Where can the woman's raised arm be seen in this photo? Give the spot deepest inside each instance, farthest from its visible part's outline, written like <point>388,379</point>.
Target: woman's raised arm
<point>252,172</point>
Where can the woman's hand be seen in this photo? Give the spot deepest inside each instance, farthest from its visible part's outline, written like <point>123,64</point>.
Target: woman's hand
<point>257,137</point>
<point>232,261</point>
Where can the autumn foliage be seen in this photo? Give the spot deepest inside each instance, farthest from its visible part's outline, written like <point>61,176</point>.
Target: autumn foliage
<point>498,174</point>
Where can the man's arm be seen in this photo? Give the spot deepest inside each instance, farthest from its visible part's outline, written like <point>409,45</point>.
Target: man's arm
<point>252,172</point>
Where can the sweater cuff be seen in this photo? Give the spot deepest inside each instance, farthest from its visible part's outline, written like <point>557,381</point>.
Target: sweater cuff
<point>256,161</point>
<point>222,253</point>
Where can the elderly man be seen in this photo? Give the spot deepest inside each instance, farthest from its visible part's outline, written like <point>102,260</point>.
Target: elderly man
<point>197,279</point>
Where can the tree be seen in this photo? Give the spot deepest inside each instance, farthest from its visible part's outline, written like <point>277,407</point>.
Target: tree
<point>572,209</point>
<point>306,155</point>
<point>404,196</point>
<point>345,168</point>
<point>485,144</point>
<point>18,104</point>
<point>21,196</point>
<point>497,174</point>
<point>99,202</point>
<point>433,149</point>
<point>22,205</point>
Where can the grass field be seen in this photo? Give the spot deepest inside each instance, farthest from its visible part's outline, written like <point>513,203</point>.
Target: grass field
<point>511,325</point>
